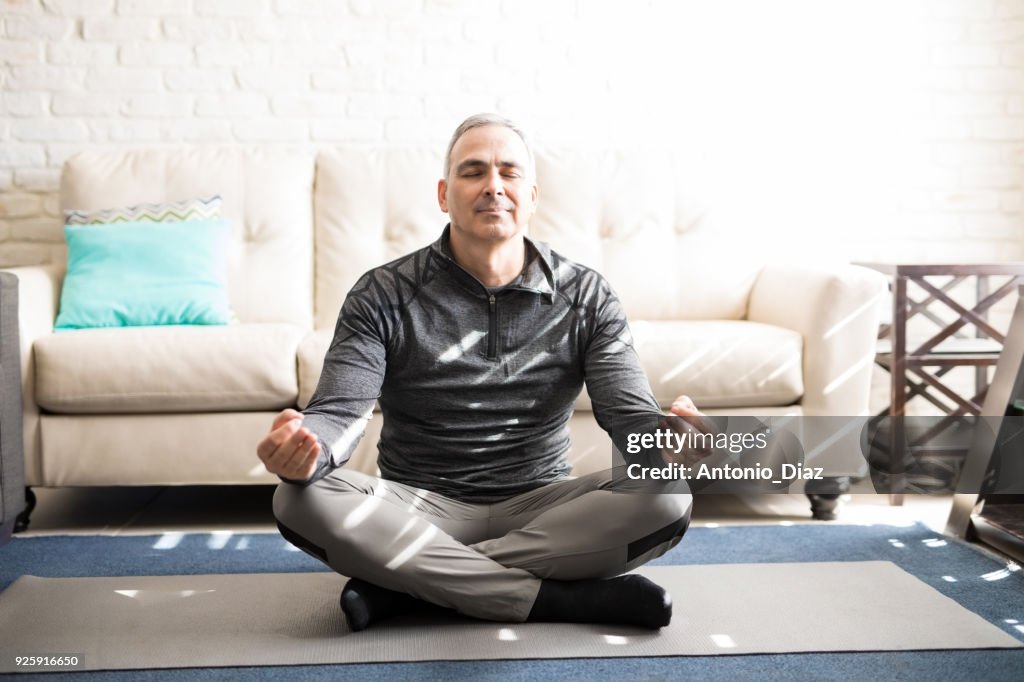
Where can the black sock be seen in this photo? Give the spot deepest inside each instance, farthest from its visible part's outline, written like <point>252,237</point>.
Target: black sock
<point>626,600</point>
<point>364,603</point>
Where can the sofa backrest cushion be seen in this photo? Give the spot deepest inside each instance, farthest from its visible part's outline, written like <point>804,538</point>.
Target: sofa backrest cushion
<point>636,217</point>
<point>371,206</point>
<point>267,199</point>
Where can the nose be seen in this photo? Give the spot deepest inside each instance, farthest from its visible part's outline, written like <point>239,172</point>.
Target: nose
<point>495,186</point>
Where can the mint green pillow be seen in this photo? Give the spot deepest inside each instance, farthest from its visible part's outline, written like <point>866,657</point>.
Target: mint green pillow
<point>133,274</point>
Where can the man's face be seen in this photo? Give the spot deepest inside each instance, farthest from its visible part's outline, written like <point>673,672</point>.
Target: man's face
<point>489,194</point>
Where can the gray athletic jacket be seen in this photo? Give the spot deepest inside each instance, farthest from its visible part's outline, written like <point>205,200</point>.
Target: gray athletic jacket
<point>476,386</point>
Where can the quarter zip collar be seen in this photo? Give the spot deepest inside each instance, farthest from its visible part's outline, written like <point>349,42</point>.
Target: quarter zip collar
<point>537,277</point>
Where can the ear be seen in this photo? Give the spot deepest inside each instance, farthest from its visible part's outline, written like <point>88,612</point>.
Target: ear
<point>534,196</point>
<point>442,194</point>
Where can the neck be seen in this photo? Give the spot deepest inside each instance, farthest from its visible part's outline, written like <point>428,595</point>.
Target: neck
<point>495,264</point>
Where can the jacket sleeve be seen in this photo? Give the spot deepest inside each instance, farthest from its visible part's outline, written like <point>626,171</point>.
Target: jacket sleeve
<point>351,379</point>
<point>620,393</point>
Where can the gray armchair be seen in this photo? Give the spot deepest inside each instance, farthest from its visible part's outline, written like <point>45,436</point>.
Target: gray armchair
<point>12,460</point>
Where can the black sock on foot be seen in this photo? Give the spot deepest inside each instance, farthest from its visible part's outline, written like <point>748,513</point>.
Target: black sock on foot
<point>625,600</point>
<point>365,603</point>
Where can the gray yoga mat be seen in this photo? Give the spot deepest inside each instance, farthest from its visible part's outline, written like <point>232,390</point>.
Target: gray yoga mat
<point>293,618</point>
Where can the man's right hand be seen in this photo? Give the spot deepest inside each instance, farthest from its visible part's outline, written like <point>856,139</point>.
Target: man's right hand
<point>289,450</point>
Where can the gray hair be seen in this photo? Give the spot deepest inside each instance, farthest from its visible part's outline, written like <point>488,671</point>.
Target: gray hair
<point>479,120</point>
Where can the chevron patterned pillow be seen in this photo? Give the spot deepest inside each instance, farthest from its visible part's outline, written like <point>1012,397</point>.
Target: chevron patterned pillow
<point>176,211</point>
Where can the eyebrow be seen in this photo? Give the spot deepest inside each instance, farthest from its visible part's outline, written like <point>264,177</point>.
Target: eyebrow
<point>479,163</point>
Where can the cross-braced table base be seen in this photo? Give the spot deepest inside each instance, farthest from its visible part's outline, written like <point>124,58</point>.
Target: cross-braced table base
<point>920,370</point>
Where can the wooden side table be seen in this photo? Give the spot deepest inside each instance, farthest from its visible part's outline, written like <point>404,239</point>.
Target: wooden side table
<point>917,369</point>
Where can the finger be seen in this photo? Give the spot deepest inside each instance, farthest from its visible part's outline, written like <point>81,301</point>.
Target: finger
<point>692,418</point>
<point>294,446</point>
<point>286,432</point>
<point>281,443</point>
<point>296,439</point>
<point>307,469</point>
<point>268,446</point>
<point>302,461</point>
<point>684,411</point>
<point>702,423</point>
<point>284,417</point>
<point>277,437</point>
<point>692,422</point>
<point>685,407</point>
<point>281,433</point>
<point>685,401</point>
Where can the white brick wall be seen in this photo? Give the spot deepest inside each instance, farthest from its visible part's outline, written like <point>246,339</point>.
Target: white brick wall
<point>876,130</point>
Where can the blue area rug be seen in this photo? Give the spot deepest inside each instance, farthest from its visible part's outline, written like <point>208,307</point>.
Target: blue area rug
<point>975,579</point>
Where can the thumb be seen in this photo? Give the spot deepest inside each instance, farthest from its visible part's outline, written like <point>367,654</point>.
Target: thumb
<point>682,410</point>
<point>286,416</point>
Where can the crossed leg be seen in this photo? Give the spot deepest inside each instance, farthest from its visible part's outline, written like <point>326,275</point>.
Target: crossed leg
<point>483,560</point>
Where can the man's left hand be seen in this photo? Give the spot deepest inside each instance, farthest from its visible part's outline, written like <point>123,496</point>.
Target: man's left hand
<point>693,421</point>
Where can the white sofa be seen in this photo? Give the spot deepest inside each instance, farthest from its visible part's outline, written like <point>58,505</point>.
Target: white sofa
<point>187,405</point>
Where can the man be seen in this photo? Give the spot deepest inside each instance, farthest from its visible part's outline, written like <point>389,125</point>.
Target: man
<point>476,348</point>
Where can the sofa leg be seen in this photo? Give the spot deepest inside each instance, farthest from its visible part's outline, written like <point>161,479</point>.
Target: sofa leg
<point>21,522</point>
<point>824,495</point>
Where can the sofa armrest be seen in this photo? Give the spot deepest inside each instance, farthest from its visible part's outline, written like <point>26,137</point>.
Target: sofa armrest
<point>38,300</point>
<point>837,311</point>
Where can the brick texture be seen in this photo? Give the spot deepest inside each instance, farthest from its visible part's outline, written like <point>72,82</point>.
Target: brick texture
<point>910,150</point>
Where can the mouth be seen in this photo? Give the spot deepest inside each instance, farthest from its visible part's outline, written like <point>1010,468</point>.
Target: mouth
<point>493,208</point>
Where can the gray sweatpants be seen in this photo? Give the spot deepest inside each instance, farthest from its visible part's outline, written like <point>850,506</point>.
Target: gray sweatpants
<point>483,560</point>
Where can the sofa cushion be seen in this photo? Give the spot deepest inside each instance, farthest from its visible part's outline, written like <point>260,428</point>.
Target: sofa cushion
<point>637,217</point>
<point>167,369</point>
<point>372,206</point>
<point>719,364</point>
<point>266,199</point>
<point>622,213</point>
<point>728,363</point>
